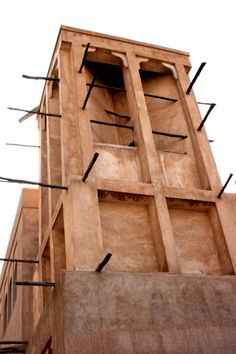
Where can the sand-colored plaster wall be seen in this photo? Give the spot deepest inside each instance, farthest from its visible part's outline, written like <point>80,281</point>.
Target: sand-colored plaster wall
<point>127,235</point>
<point>23,245</point>
<point>118,163</point>
<point>129,313</point>
<point>195,242</point>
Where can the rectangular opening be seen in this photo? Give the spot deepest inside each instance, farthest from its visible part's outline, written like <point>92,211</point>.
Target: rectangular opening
<point>130,232</point>
<point>110,116</point>
<point>59,255</point>
<point>169,126</point>
<point>5,314</point>
<point>164,106</point>
<point>14,291</point>
<point>201,247</point>
<point>46,273</point>
<point>9,305</point>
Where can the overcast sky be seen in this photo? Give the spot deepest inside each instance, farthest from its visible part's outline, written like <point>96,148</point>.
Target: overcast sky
<point>28,31</point>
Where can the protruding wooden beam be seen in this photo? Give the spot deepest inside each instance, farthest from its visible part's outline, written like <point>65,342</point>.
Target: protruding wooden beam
<point>35,283</point>
<point>16,346</point>
<point>23,145</point>
<point>46,78</point>
<point>35,112</point>
<point>103,263</point>
<point>13,342</point>
<point>123,90</point>
<point>107,87</point>
<point>160,97</point>
<point>111,124</point>
<point>117,115</point>
<point>84,57</point>
<point>90,166</point>
<point>195,78</point>
<point>205,103</point>
<point>22,181</point>
<point>28,115</point>
<point>171,135</point>
<point>206,116</point>
<point>11,350</point>
<point>224,186</point>
<point>18,260</point>
<point>89,92</point>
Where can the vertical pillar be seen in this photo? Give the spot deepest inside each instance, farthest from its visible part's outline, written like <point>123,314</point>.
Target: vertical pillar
<point>83,240</point>
<point>83,236</point>
<point>149,157</point>
<point>150,165</point>
<point>43,192</point>
<point>205,162</point>
<point>69,129</point>
<point>83,119</point>
<point>226,209</point>
<point>54,145</point>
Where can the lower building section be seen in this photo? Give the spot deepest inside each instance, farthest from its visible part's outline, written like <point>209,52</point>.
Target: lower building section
<point>114,313</point>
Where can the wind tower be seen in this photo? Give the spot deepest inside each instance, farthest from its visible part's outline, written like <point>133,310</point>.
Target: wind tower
<point>140,201</point>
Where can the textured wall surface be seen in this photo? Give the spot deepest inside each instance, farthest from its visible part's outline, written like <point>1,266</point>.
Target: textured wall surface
<point>134,313</point>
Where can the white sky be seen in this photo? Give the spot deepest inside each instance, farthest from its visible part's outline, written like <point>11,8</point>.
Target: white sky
<point>28,31</point>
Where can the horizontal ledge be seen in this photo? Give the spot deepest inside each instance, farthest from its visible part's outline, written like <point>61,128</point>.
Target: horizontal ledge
<point>135,187</point>
<point>188,194</point>
<point>116,146</point>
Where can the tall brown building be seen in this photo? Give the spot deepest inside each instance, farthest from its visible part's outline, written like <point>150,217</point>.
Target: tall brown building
<point>152,199</point>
